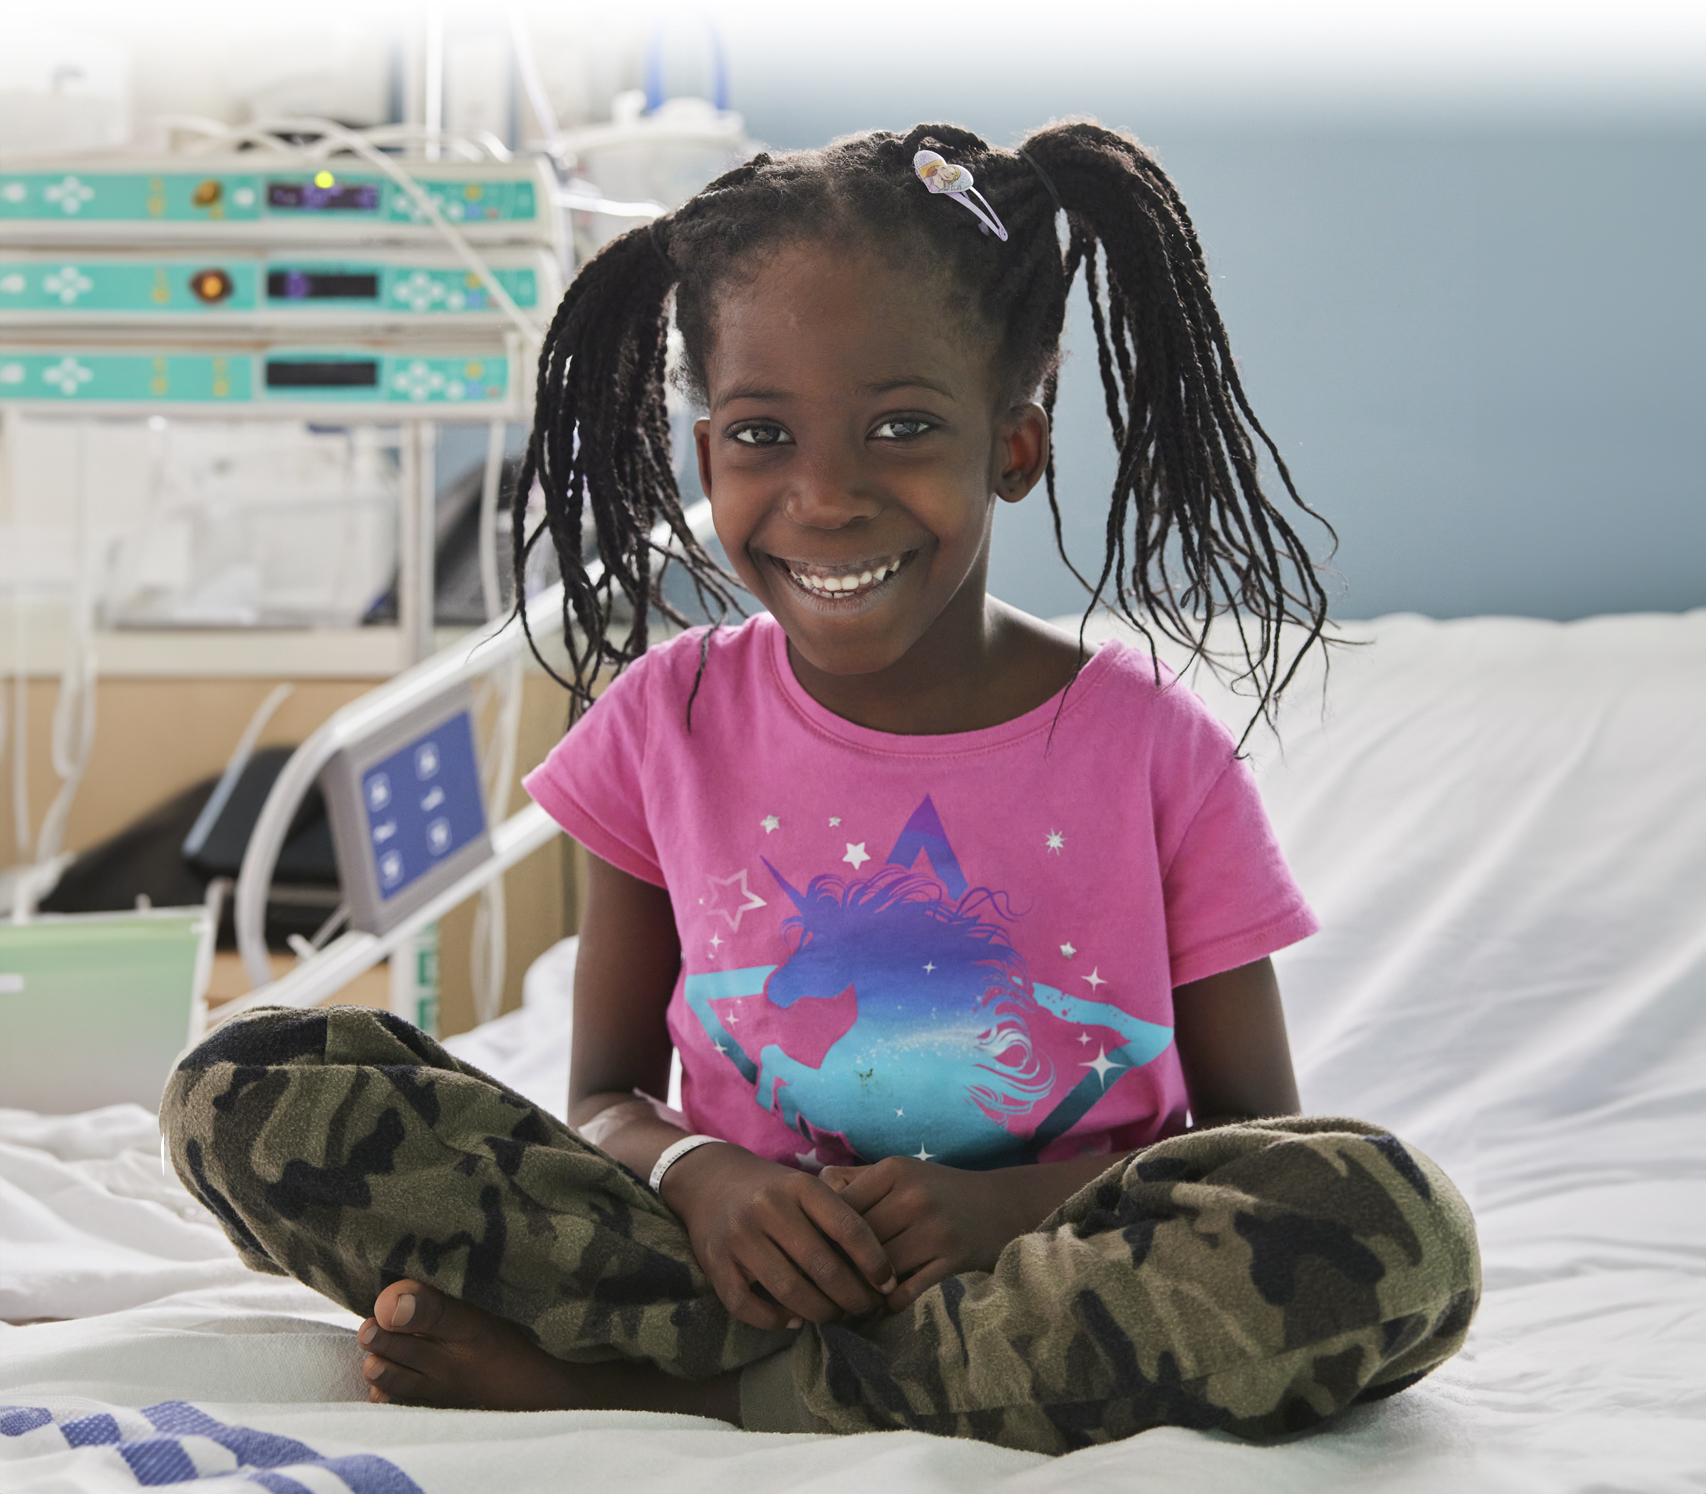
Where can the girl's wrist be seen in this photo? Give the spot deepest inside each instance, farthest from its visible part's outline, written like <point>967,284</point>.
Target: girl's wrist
<point>680,1183</point>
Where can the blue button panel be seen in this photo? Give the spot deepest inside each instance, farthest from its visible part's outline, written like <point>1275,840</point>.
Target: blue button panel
<point>423,804</point>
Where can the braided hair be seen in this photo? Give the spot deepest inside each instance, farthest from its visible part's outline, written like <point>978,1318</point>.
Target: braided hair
<point>1190,534</point>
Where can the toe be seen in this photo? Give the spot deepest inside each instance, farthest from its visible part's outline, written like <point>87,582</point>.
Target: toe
<point>409,1306</point>
<point>413,1308</point>
<point>392,1381</point>
<point>410,1350</point>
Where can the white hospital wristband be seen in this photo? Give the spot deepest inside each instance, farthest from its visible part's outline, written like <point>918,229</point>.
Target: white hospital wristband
<point>673,1154</point>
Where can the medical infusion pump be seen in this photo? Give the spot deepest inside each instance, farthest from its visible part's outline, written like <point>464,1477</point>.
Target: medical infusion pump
<point>222,287</point>
<point>272,198</point>
<point>327,379</point>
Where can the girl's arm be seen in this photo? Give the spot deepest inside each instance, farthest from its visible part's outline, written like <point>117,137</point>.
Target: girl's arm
<point>751,1221</point>
<point>1230,1031</point>
<point>934,1221</point>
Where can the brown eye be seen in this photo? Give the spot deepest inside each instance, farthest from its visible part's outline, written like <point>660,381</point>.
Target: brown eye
<point>761,435</point>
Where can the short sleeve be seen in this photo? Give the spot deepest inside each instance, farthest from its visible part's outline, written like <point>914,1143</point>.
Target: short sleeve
<point>1229,896</point>
<point>592,782</point>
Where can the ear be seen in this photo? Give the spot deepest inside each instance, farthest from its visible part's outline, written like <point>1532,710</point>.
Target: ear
<point>702,445</point>
<point>1021,452</point>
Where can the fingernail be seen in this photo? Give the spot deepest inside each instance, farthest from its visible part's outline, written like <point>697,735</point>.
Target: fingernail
<point>404,1312</point>
<point>796,1322</point>
<point>367,1332</point>
<point>889,1285</point>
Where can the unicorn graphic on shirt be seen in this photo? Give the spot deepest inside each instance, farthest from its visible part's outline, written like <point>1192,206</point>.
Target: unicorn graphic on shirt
<point>904,1022</point>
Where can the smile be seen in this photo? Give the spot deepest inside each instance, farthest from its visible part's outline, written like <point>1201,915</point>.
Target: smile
<point>844,582</point>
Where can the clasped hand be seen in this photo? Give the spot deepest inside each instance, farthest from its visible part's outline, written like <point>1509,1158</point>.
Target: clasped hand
<point>782,1246</point>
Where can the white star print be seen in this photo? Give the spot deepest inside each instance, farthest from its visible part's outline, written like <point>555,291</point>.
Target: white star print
<point>834,820</point>
<point>1055,840</point>
<point>1067,949</point>
<point>1095,978</point>
<point>770,822</point>
<point>748,898</point>
<point>921,1154</point>
<point>1101,1065</point>
<point>856,855</point>
<point>809,1160</point>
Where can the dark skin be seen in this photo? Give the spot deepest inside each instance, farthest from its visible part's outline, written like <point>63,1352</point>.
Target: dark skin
<point>853,429</point>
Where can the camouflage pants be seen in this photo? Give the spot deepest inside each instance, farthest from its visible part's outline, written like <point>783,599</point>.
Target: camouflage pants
<point>1255,1278</point>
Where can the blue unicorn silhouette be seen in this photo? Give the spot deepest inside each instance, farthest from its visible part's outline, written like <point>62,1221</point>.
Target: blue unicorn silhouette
<point>940,1060</point>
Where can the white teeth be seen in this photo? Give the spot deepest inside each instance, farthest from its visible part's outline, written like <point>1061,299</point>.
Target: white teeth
<point>832,586</point>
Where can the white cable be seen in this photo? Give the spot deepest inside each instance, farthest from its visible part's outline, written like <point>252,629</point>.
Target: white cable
<point>20,729</point>
<point>432,102</point>
<point>73,739</point>
<point>488,948</point>
<point>527,64</point>
<point>234,765</point>
<point>268,130</point>
<point>491,593</point>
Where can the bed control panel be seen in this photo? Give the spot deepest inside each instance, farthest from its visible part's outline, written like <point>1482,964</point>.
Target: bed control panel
<point>407,811</point>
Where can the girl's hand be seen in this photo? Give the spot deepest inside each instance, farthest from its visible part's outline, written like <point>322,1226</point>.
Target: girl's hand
<point>933,1221</point>
<point>757,1224</point>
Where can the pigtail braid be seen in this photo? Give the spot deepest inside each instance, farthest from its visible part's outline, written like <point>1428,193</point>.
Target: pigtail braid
<point>600,452</point>
<point>1190,533</point>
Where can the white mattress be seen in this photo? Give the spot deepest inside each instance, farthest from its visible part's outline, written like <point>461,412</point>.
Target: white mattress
<point>1503,826</point>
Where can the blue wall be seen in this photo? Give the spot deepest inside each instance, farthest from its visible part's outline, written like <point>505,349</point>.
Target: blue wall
<point>1479,341</point>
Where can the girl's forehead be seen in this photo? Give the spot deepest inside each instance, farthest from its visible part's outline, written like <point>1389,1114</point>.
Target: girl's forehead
<point>844,316</point>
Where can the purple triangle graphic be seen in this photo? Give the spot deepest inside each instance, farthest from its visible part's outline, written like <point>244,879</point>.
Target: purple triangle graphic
<point>924,833</point>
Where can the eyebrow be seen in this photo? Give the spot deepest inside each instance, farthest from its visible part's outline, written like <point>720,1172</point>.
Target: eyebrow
<point>881,386</point>
<point>907,381</point>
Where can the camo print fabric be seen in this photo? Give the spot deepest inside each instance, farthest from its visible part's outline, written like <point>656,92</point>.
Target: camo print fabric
<point>1255,1278</point>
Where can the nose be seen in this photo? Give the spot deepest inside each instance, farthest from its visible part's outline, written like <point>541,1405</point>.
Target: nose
<point>827,490</point>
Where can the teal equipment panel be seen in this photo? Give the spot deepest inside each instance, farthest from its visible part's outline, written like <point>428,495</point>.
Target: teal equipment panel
<point>279,289</point>
<point>213,199</point>
<point>96,1009</point>
<point>295,381</point>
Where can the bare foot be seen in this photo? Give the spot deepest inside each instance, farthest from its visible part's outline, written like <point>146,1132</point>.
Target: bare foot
<point>427,1349</point>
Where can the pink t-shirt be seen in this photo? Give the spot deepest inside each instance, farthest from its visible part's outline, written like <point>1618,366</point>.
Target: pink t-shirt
<point>960,948</point>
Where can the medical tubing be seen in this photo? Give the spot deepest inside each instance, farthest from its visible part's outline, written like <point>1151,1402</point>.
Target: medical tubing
<point>234,765</point>
<point>491,591</point>
<point>527,66</point>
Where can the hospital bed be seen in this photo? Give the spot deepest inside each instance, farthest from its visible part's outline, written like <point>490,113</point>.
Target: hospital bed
<point>1502,823</point>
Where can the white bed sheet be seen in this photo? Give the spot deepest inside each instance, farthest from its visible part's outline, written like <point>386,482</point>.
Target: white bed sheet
<point>1503,825</point>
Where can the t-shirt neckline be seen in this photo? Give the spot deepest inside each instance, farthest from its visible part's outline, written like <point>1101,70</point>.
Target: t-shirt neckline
<point>1003,733</point>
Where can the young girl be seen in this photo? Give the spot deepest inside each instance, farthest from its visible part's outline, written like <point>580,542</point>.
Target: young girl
<point>961,932</point>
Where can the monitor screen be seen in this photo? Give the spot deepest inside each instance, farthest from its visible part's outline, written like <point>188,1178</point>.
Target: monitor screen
<point>308,197</point>
<point>322,373</point>
<point>321,285</point>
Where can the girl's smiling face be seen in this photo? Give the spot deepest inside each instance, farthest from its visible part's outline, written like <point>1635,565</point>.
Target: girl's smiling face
<point>856,441</point>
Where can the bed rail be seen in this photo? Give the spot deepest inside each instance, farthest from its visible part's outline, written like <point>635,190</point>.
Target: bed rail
<point>325,971</point>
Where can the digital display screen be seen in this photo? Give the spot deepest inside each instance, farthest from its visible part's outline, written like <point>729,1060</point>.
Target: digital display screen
<point>307,197</point>
<point>305,373</point>
<point>320,285</point>
<point>423,803</point>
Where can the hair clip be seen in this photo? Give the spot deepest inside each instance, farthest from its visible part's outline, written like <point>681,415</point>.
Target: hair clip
<point>956,182</point>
